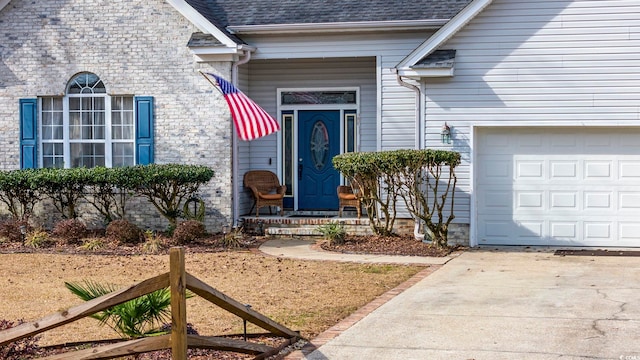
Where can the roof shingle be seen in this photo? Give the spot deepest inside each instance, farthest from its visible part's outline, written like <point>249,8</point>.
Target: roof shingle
<point>224,13</point>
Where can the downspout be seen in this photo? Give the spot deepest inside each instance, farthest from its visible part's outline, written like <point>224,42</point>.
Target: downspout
<point>418,144</point>
<point>234,145</point>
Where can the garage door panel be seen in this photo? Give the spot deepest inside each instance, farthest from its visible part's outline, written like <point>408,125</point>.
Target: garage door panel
<point>629,170</point>
<point>629,201</point>
<point>629,232</point>
<point>530,230</point>
<point>563,200</point>
<point>597,230</point>
<point>597,170</point>
<point>495,169</point>
<point>563,170</point>
<point>529,200</point>
<point>597,200</point>
<point>497,229</point>
<point>562,230</point>
<point>578,187</point>
<point>529,169</point>
<point>496,201</point>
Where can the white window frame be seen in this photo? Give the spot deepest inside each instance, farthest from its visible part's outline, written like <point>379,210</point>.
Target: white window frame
<point>108,140</point>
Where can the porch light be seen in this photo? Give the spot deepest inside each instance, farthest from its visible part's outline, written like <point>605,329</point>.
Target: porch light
<point>445,134</point>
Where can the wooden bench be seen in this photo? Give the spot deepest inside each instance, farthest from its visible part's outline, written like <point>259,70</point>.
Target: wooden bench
<point>266,189</point>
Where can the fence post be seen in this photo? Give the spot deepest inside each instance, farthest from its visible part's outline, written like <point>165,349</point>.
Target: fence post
<point>178,286</point>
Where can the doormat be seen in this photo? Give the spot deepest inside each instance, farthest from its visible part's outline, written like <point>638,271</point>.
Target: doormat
<point>597,252</point>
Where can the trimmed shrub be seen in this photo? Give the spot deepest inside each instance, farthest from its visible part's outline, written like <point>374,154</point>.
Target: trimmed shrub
<point>70,230</point>
<point>169,186</point>
<point>20,191</point>
<point>424,179</point>
<point>188,232</point>
<point>65,187</point>
<point>124,232</point>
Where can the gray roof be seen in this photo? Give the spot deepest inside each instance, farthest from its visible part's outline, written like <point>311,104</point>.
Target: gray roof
<point>437,59</point>
<point>203,40</point>
<point>225,13</point>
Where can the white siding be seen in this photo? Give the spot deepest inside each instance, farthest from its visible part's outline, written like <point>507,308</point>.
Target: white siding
<point>535,63</point>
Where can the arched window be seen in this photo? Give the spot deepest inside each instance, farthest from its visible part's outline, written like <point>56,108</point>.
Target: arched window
<point>87,127</point>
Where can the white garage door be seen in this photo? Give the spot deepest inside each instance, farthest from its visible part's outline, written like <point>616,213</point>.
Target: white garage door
<point>558,186</point>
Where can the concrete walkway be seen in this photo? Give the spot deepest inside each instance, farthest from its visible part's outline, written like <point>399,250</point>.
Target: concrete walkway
<point>503,305</point>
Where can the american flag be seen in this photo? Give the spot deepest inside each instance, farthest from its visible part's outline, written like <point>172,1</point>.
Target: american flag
<point>250,119</point>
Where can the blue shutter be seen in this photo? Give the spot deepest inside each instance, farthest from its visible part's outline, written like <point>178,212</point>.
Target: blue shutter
<point>28,133</point>
<point>144,129</point>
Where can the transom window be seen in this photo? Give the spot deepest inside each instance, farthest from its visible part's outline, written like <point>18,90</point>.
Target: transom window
<point>87,127</point>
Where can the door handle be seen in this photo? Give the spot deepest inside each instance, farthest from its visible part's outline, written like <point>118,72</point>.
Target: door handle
<point>300,166</point>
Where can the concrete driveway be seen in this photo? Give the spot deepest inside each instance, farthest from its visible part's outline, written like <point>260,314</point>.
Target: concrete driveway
<point>506,305</point>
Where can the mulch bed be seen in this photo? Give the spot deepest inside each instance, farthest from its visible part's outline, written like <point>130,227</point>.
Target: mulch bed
<point>385,245</point>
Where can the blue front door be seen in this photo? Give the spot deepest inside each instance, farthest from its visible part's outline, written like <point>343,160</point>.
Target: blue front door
<point>318,143</point>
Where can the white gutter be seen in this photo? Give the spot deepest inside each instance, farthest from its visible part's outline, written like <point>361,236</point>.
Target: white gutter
<point>4,3</point>
<point>418,143</point>
<point>234,146</point>
<point>338,27</point>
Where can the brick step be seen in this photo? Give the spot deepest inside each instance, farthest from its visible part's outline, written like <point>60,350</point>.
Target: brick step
<point>293,231</point>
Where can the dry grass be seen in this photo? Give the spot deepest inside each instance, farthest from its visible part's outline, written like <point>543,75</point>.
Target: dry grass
<point>308,296</point>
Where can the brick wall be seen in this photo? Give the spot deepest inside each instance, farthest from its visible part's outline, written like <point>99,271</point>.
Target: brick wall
<point>135,47</point>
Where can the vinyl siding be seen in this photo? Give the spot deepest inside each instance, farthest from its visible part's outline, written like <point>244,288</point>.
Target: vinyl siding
<point>536,63</point>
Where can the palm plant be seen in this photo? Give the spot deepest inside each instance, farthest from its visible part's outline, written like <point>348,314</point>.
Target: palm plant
<point>140,317</point>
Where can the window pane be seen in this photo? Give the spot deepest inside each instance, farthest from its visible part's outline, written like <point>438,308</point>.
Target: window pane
<point>98,103</point>
<point>86,103</point>
<point>87,155</point>
<point>350,132</point>
<point>98,129</point>
<point>86,83</point>
<point>287,149</point>
<point>116,118</point>
<point>74,103</point>
<point>52,155</point>
<point>318,97</point>
<point>47,119</point>
<point>51,118</point>
<point>122,118</point>
<point>122,154</point>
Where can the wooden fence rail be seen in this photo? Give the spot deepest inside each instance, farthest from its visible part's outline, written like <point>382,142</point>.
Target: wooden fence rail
<point>178,280</point>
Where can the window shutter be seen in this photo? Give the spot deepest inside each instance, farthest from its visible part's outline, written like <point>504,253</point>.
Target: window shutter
<point>144,129</point>
<point>28,133</point>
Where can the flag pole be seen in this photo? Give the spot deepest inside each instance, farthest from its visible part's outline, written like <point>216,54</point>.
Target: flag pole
<point>211,82</point>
